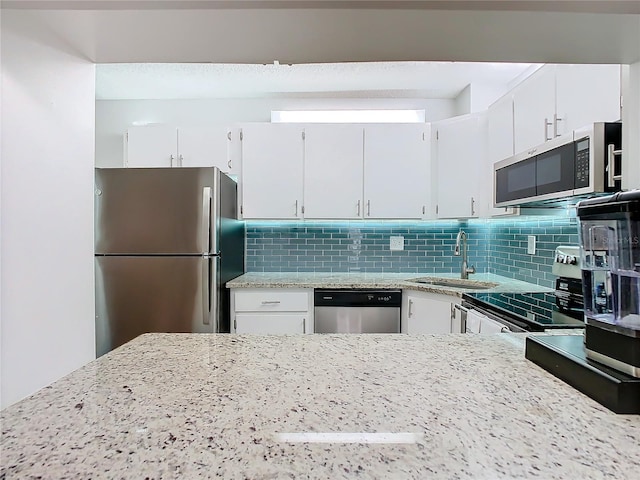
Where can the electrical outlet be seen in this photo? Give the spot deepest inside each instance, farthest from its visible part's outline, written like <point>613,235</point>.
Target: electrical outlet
<point>531,244</point>
<point>396,243</point>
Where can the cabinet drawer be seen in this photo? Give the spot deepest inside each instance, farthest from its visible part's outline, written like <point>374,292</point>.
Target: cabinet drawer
<point>271,301</point>
<point>264,324</point>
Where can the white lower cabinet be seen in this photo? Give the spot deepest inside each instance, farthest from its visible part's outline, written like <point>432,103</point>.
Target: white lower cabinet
<point>424,312</point>
<point>267,323</point>
<point>272,311</point>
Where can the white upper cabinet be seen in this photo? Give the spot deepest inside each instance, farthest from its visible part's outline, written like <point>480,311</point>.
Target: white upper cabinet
<point>500,146</point>
<point>396,171</point>
<point>170,146</point>
<point>586,94</point>
<point>500,129</point>
<point>534,105</point>
<point>558,99</point>
<point>341,171</point>
<point>461,150</point>
<point>333,171</point>
<point>272,166</point>
<point>152,146</point>
<point>208,146</point>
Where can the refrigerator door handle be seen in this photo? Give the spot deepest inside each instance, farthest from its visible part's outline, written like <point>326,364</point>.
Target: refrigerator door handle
<point>214,281</point>
<point>206,290</point>
<point>206,219</point>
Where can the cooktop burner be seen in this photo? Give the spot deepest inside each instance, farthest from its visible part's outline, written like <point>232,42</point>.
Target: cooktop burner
<point>538,311</point>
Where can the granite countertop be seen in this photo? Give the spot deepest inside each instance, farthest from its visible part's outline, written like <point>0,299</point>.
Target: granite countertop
<point>204,405</point>
<point>381,280</point>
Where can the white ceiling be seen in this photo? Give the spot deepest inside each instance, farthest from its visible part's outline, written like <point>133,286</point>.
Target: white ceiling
<point>368,79</point>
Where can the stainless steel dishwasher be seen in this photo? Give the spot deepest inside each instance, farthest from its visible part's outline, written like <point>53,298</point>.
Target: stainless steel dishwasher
<point>357,311</point>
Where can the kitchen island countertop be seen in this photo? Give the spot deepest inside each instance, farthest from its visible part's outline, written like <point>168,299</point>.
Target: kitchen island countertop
<point>379,280</point>
<point>206,405</point>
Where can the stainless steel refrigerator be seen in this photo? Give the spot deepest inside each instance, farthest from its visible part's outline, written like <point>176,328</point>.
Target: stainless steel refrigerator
<point>167,240</point>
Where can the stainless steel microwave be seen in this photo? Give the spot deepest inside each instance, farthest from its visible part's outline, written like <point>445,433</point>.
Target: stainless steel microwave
<point>584,161</point>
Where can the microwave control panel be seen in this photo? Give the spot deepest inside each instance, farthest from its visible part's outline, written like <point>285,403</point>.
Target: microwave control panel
<point>582,163</point>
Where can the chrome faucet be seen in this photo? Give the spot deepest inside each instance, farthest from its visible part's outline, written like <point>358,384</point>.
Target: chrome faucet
<point>465,271</point>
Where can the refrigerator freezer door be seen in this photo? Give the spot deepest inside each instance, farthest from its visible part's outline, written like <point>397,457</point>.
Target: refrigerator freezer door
<point>155,211</point>
<point>136,295</point>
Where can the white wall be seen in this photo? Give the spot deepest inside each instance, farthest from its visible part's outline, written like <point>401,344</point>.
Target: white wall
<point>113,117</point>
<point>483,95</point>
<point>47,297</point>
<point>631,126</point>
<point>463,101</point>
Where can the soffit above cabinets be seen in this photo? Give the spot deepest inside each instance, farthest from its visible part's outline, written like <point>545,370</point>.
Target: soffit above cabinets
<point>139,31</point>
<point>436,80</point>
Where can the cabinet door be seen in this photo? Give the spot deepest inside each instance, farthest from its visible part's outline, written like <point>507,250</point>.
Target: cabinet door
<point>586,94</point>
<point>500,146</point>
<point>204,147</point>
<point>152,146</point>
<point>500,129</point>
<point>333,171</point>
<point>427,315</point>
<point>534,104</point>
<point>271,183</point>
<point>461,156</point>
<point>396,171</point>
<point>261,324</point>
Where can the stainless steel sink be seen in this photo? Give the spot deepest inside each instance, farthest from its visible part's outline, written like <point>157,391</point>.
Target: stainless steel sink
<point>454,282</point>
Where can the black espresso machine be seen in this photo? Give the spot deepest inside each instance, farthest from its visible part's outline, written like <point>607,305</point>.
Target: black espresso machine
<point>610,244</point>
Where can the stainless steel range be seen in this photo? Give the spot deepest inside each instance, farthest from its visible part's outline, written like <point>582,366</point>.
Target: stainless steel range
<point>537,311</point>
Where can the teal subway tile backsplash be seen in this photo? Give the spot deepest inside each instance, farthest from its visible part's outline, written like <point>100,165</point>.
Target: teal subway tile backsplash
<point>361,246</point>
<point>508,246</point>
<point>495,246</point>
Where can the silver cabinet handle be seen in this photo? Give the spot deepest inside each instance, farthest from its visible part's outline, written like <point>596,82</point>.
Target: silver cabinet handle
<point>171,159</point>
<point>611,156</point>
<point>547,124</point>
<point>229,164</point>
<point>556,119</point>
<point>368,208</point>
<point>409,313</point>
<point>423,209</point>
<point>473,206</point>
<point>358,208</point>
<point>296,212</point>
<point>270,302</point>
<point>180,159</point>
<point>304,325</point>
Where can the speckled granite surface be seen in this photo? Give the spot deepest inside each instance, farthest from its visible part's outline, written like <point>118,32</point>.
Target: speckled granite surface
<point>170,406</point>
<point>378,280</point>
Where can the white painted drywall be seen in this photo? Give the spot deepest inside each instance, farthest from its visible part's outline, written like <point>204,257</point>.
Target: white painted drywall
<point>0,211</point>
<point>484,94</point>
<point>463,101</point>
<point>47,297</point>
<point>328,35</point>
<point>113,117</point>
<point>631,126</point>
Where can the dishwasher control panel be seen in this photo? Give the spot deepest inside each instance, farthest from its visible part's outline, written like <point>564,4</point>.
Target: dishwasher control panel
<point>357,298</point>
